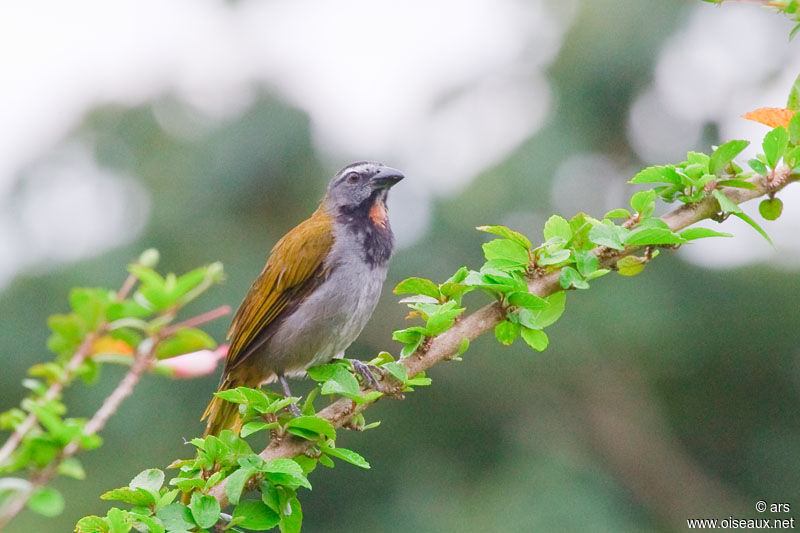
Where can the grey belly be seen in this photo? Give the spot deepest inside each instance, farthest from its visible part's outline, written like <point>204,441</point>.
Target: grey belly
<point>325,323</point>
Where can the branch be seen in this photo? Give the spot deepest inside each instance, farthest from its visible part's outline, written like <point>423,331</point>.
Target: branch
<point>446,345</point>
<point>195,321</point>
<point>142,363</point>
<point>55,389</point>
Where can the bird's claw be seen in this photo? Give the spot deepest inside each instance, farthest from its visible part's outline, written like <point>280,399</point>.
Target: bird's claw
<point>367,373</point>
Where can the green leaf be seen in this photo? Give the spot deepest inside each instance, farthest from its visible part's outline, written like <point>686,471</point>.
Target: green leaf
<point>419,380</point>
<point>325,372</point>
<point>347,455</point>
<point>527,300</point>
<point>119,520</point>
<point>142,522</point>
<point>254,427</point>
<point>643,202</point>
<point>418,286</point>
<point>255,515</point>
<point>397,370</point>
<point>411,334</point>
<point>794,128</point>
<point>92,524</point>
<point>557,226</point>
<point>90,305</point>
<point>724,154</point>
<point>739,184</point>
<point>506,233</point>
<point>794,95</point>
<point>774,145</point>
<point>46,501</point>
<point>770,208</point>
<point>150,480</point>
<point>792,33</point>
<point>554,258</point>
<point>442,318</point>
<point>292,522</point>
<point>618,213</point>
<point>581,224</point>
<point>128,495</point>
<point>653,236</point>
<point>609,235</point>
<point>506,249</point>
<point>541,319</point>
<point>725,204</point>
<point>167,498</point>
<point>176,517</point>
<point>586,262</point>
<point>459,275</point>
<point>657,174</point>
<point>536,339</point>
<point>343,383</point>
<point>205,509</point>
<point>757,166</point>
<point>569,277</point>
<point>236,482</point>
<point>752,223</point>
<point>184,340</point>
<point>231,395</point>
<point>698,158</point>
<point>631,265</point>
<point>792,158</point>
<point>284,466</point>
<point>699,233</point>
<point>463,346</point>
<point>506,332</point>
<point>72,467</point>
<point>314,424</point>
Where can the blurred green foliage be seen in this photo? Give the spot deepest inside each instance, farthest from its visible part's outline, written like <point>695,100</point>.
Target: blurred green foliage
<point>671,392</point>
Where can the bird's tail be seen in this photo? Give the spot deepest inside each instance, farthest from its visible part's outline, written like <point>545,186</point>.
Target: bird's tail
<point>222,414</point>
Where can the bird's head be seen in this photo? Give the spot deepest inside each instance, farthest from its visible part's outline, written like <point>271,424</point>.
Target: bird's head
<point>361,188</point>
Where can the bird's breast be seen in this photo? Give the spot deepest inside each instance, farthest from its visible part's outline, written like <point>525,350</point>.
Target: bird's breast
<point>329,319</point>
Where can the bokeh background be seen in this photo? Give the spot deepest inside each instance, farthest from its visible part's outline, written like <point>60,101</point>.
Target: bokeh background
<point>207,129</point>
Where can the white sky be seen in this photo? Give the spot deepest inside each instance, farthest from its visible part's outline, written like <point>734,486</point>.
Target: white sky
<point>439,88</point>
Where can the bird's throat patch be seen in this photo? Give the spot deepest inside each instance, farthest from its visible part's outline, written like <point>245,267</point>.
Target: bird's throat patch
<point>378,214</point>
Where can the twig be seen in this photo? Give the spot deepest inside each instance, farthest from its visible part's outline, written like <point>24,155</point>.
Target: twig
<point>198,320</point>
<point>142,362</point>
<point>55,389</point>
<point>486,318</point>
<point>110,405</point>
<point>53,392</point>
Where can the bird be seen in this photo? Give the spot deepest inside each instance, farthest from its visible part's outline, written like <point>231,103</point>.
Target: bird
<point>319,287</point>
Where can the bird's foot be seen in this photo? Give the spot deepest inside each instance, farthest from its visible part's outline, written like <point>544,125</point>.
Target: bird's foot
<point>288,393</point>
<point>368,373</point>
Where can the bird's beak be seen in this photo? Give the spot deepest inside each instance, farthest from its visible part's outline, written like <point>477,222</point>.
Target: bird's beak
<point>385,178</point>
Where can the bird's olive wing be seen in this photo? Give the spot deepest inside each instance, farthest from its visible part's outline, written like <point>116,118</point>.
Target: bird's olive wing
<point>295,266</point>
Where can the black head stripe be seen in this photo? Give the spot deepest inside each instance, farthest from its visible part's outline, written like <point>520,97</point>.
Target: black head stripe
<point>377,241</point>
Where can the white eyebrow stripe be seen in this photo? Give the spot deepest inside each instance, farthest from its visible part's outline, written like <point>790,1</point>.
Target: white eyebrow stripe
<point>357,167</point>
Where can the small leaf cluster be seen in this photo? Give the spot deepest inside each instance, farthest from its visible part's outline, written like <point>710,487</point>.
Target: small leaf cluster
<point>690,180</point>
<point>154,509</point>
<point>229,458</point>
<point>700,174</point>
<point>438,305</point>
<point>99,326</point>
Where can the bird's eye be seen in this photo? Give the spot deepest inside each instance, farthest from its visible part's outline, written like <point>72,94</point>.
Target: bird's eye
<point>353,177</point>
